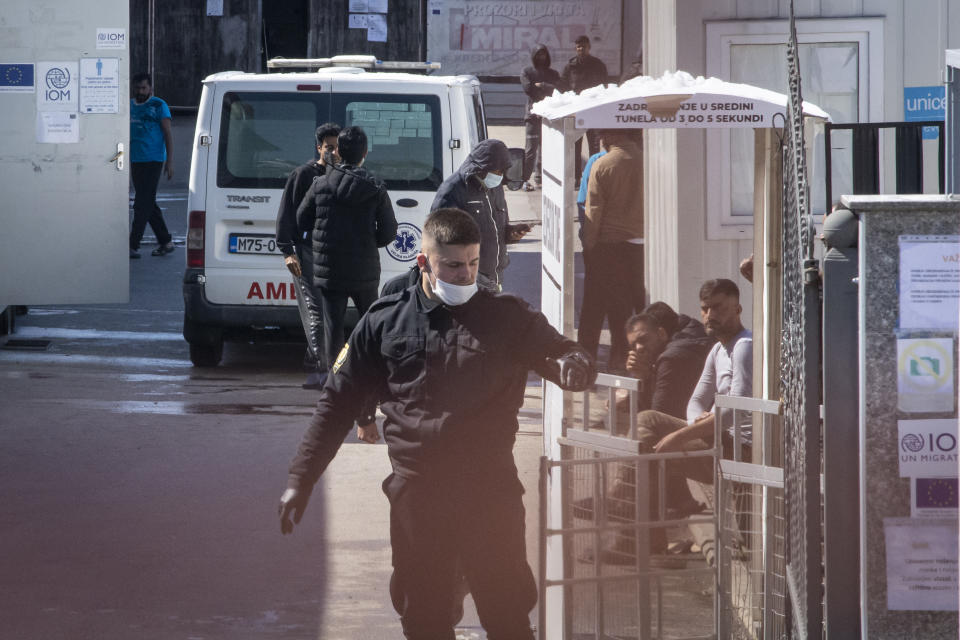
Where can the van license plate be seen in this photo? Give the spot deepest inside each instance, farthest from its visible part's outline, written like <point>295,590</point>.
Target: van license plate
<point>253,243</point>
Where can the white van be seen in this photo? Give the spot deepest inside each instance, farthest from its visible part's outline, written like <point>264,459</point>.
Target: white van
<point>253,129</point>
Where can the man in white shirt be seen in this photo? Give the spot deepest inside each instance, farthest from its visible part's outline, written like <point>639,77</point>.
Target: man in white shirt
<point>728,370</point>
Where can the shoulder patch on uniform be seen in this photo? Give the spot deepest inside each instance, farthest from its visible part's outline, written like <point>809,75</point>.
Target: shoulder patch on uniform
<point>341,357</point>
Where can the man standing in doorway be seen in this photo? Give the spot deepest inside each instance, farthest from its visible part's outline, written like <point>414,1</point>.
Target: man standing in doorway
<point>151,153</point>
<point>613,244</point>
<point>538,81</point>
<point>584,71</point>
<point>294,241</point>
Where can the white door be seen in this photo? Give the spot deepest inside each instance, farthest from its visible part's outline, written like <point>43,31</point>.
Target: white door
<point>64,221</point>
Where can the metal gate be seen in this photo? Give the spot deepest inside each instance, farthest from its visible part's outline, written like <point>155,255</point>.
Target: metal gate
<point>751,586</point>
<point>800,374</point>
<point>615,584</point>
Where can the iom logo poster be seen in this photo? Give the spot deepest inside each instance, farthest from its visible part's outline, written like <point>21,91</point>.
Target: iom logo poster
<point>58,86</point>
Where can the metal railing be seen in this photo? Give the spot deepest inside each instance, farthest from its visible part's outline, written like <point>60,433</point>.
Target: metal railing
<point>751,568</point>
<point>617,579</point>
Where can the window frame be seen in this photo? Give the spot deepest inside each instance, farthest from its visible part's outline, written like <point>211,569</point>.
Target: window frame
<point>224,178</point>
<point>722,35</point>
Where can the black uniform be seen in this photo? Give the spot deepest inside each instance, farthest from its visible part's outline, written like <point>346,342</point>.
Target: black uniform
<point>450,381</point>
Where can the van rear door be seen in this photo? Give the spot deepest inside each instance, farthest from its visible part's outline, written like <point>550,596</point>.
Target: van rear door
<point>407,126</point>
<point>262,131</point>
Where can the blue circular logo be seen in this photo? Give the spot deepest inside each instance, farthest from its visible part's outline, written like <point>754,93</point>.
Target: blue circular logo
<point>912,442</point>
<point>58,77</point>
<point>407,243</point>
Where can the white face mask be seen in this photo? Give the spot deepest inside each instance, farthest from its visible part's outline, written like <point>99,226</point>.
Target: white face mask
<point>492,180</point>
<point>454,294</point>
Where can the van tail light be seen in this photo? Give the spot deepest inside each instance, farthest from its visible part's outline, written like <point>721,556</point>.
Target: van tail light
<point>195,226</point>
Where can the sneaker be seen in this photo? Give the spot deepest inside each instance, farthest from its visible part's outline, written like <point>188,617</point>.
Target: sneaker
<point>134,254</point>
<point>163,249</point>
<point>527,186</point>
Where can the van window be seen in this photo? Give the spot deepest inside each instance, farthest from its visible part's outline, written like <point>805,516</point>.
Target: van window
<point>478,117</point>
<point>264,136</point>
<point>403,134</point>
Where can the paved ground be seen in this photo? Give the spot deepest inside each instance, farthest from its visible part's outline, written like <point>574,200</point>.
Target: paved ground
<point>138,494</point>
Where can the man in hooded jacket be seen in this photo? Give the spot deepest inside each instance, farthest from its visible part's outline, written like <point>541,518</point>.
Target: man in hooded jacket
<point>538,82</point>
<point>353,219</point>
<point>476,187</point>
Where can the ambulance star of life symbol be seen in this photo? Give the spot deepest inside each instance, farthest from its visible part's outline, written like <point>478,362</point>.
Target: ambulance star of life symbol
<point>407,243</point>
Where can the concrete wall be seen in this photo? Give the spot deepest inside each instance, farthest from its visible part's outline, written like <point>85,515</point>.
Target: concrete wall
<point>680,256</point>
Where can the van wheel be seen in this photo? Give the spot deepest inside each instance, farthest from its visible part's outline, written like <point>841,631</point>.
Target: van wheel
<point>206,354</point>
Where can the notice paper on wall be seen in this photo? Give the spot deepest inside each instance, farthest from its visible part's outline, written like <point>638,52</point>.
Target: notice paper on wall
<point>214,7</point>
<point>921,564</point>
<point>377,6</point>
<point>376,27</point>
<point>358,21</point>
<point>358,6</point>
<point>925,382</point>
<point>930,282</point>
<point>99,85</point>
<point>57,127</point>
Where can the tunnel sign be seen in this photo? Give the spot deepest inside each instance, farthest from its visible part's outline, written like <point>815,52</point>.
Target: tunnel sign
<point>701,111</point>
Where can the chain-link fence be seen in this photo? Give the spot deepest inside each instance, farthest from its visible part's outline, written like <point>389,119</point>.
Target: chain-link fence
<point>799,384</point>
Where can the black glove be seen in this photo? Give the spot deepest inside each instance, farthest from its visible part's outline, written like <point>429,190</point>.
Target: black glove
<point>577,372</point>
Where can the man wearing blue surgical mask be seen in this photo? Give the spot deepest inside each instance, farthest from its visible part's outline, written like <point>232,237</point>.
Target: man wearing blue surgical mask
<point>477,188</point>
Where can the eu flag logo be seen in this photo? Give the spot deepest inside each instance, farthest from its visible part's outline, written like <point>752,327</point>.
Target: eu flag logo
<point>16,77</point>
<point>937,493</point>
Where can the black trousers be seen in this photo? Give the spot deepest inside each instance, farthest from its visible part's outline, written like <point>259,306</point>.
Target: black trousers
<point>311,315</point>
<point>531,150</point>
<point>146,178</point>
<point>612,290</point>
<point>439,529</point>
<point>333,310</point>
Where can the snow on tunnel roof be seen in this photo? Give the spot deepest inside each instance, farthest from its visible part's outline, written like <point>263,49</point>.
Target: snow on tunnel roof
<point>674,100</point>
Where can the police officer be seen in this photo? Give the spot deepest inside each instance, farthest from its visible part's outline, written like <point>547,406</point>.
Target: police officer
<point>448,364</point>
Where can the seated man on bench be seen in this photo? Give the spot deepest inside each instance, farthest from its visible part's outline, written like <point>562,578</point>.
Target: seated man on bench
<point>728,369</point>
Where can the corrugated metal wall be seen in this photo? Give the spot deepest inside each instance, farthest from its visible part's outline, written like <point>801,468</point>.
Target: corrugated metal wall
<point>185,44</point>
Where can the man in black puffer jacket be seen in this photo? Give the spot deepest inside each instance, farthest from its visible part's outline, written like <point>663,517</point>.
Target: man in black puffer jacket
<point>477,188</point>
<point>353,219</point>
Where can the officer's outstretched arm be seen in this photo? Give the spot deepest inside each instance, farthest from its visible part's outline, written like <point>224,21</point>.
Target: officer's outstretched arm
<point>573,371</point>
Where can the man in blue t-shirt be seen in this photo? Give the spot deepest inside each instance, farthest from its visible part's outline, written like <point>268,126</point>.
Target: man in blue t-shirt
<point>151,152</point>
